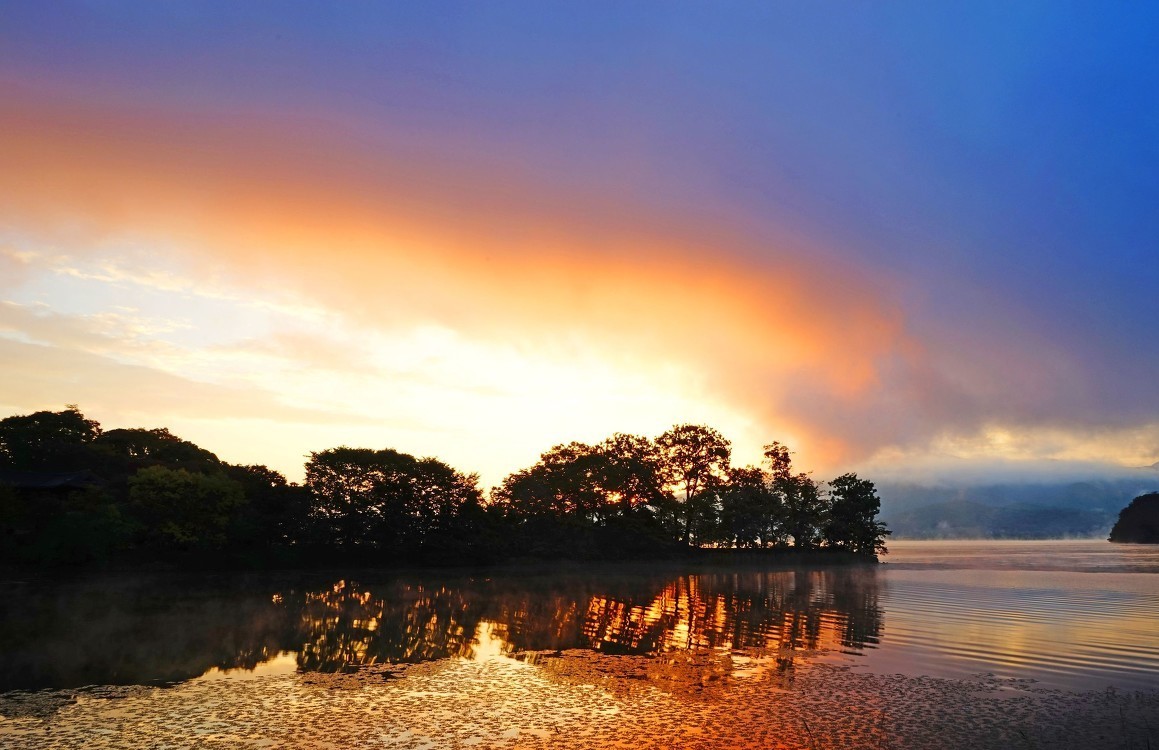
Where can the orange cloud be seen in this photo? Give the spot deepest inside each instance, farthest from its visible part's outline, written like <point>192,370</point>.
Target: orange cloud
<point>392,240</point>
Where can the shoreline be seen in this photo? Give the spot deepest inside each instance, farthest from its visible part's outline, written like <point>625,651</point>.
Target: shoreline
<point>712,558</point>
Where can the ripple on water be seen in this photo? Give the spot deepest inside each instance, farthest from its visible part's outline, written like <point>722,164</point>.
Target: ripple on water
<point>580,700</point>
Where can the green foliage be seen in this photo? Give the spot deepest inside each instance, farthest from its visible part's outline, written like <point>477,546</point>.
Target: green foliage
<point>182,509</point>
<point>76,526</point>
<point>90,529</point>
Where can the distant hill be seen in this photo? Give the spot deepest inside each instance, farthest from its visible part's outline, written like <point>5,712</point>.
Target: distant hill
<point>1139,521</point>
<point>1009,511</point>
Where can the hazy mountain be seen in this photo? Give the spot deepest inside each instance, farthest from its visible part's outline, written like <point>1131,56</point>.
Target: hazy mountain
<point>1036,510</point>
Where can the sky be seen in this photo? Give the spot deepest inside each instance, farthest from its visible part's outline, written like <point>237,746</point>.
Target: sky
<point>903,238</point>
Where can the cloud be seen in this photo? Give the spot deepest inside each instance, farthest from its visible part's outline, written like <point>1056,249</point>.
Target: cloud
<point>109,332</point>
<point>239,424</point>
<point>815,346</point>
<point>49,377</point>
<point>15,267</point>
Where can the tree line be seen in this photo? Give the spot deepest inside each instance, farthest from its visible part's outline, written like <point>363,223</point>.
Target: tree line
<point>71,492</point>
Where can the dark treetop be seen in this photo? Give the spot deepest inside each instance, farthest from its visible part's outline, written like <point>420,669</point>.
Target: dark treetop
<point>1139,521</point>
<point>72,493</point>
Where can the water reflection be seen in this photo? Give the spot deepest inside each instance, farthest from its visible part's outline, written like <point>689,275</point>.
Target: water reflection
<point>133,630</point>
<point>782,610</point>
<point>348,625</point>
<point>151,630</point>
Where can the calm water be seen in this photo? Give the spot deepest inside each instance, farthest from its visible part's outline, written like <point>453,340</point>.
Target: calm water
<point>1073,615</point>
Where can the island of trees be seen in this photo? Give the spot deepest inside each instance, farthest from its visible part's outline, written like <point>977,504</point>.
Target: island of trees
<point>1138,522</point>
<point>73,493</point>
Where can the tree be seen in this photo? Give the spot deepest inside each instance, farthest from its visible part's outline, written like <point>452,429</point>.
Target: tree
<point>275,513</point>
<point>47,440</point>
<point>59,525</point>
<point>444,500</point>
<point>1138,523</point>
<point>384,501</point>
<point>629,475</point>
<point>694,464</point>
<point>780,461</point>
<point>851,523</point>
<point>750,512</point>
<point>587,500</point>
<point>804,509</point>
<point>801,502</point>
<point>122,452</point>
<point>184,509</point>
<point>587,482</point>
<point>565,482</point>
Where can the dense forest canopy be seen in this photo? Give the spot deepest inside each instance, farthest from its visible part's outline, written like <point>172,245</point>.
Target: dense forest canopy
<point>71,492</point>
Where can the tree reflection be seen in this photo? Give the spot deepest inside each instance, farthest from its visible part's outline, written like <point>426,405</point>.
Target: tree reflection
<point>347,625</point>
<point>783,610</point>
<point>151,629</point>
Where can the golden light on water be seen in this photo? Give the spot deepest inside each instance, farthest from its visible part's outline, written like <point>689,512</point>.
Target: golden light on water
<point>488,643</point>
<point>732,658</point>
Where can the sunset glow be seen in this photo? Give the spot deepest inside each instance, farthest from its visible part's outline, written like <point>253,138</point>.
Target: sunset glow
<point>579,375</point>
<point>270,262</point>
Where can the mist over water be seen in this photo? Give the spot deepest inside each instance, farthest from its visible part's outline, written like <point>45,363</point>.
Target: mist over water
<point>1071,556</point>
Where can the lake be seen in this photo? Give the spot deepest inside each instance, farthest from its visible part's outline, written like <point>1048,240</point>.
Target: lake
<point>996,643</point>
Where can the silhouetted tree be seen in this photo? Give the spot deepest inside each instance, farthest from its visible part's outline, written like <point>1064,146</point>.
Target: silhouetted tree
<point>447,511</point>
<point>276,513</point>
<point>566,481</point>
<point>751,512</point>
<point>588,482</point>
<point>1138,523</point>
<point>70,492</point>
<point>587,500</point>
<point>780,461</point>
<point>851,523</point>
<point>47,440</point>
<point>630,474</point>
<point>805,509</point>
<point>53,508</point>
<point>384,501</point>
<point>801,501</point>
<point>694,463</point>
<point>121,452</point>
